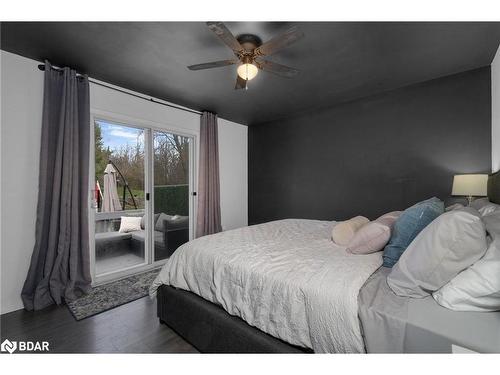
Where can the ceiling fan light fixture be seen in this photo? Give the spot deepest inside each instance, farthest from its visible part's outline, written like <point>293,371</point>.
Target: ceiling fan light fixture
<point>247,71</point>
<point>248,50</point>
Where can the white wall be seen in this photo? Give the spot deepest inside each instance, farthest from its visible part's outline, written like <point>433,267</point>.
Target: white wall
<point>21,104</point>
<point>21,97</point>
<point>495,112</point>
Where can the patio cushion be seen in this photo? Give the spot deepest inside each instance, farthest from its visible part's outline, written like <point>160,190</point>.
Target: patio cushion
<point>178,222</point>
<point>159,226</point>
<point>143,220</point>
<point>111,236</point>
<point>139,235</point>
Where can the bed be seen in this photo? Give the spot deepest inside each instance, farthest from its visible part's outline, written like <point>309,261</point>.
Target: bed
<point>262,289</point>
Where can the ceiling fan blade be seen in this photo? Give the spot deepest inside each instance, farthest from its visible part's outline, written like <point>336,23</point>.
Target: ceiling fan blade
<point>278,42</point>
<point>213,64</point>
<point>281,70</point>
<point>225,35</point>
<point>240,83</point>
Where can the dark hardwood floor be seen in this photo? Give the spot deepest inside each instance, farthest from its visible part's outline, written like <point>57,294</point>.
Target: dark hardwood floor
<point>130,328</point>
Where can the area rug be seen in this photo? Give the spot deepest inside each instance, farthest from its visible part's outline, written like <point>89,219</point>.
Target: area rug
<point>114,294</point>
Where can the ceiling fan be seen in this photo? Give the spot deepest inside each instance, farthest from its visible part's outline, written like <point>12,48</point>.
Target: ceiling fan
<point>250,51</point>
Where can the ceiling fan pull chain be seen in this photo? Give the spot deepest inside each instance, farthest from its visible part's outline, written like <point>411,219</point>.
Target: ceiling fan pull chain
<point>246,79</point>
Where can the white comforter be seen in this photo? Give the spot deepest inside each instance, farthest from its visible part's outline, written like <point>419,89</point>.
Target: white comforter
<point>286,278</point>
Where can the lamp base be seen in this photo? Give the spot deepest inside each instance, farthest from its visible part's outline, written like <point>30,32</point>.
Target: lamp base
<point>469,198</point>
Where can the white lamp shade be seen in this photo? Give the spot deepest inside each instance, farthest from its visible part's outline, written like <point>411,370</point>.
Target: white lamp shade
<point>247,71</point>
<point>474,185</point>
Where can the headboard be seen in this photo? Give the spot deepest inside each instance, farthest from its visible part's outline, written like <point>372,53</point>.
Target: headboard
<point>494,187</point>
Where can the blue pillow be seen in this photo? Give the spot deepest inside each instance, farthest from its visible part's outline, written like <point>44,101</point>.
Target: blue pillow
<point>409,224</point>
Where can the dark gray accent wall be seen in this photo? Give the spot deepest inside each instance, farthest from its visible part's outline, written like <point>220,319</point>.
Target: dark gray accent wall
<point>372,155</point>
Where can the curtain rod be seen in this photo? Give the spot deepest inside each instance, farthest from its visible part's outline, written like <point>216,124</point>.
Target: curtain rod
<point>149,99</point>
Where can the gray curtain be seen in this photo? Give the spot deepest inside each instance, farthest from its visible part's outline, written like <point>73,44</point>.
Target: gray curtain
<point>60,264</point>
<point>208,221</point>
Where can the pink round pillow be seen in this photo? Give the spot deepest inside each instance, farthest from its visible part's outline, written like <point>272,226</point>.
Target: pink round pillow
<point>372,237</point>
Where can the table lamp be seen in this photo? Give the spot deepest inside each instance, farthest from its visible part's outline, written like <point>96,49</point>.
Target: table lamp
<point>470,185</point>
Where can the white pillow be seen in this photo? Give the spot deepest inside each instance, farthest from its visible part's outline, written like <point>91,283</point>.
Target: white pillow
<point>448,245</point>
<point>130,224</point>
<point>489,208</point>
<point>344,231</point>
<point>160,223</point>
<point>477,288</point>
<point>479,202</point>
<point>492,224</point>
<point>484,206</point>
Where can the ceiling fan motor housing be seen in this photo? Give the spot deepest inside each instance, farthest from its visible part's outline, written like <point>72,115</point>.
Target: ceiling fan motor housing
<point>249,41</point>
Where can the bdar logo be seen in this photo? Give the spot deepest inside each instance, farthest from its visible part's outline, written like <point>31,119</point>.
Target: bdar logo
<point>8,346</point>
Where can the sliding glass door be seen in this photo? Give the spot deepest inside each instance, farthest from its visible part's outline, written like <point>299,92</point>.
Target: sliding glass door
<point>119,197</point>
<point>141,196</point>
<point>170,192</point>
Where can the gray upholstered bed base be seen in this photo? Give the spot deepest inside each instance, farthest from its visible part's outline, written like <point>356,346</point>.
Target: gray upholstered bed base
<point>210,329</point>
